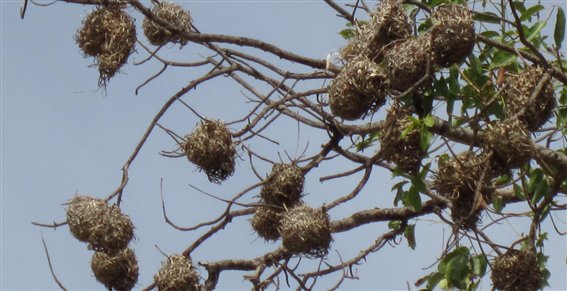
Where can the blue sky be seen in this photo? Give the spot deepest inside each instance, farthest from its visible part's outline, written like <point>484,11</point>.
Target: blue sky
<point>63,135</point>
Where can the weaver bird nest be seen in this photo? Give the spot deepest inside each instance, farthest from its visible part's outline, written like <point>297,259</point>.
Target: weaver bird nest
<point>266,221</point>
<point>518,95</point>
<point>110,36</point>
<point>516,271</point>
<point>118,271</point>
<point>458,179</point>
<point>358,89</point>
<point>104,227</point>
<point>283,186</point>
<point>405,152</point>
<point>510,141</point>
<point>452,34</point>
<point>177,273</point>
<point>305,230</point>
<point>407,62</point>
<point>211,148</point>
<point>175,16</point>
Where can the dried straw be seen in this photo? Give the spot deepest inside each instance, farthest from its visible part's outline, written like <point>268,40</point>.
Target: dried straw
<point>177,274</point>
<point>516,271</point>
<point>175,16</point>
<point>118,271</point>
<point>305,230</point>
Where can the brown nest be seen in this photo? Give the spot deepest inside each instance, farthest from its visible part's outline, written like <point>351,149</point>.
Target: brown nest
<point>175,16</point>
<point>110,36</point>
<point>118,271</point>
<point>177,274</point>
<point>210,147</point>
<point>405,152</point>
<point>305,230</point>
<point>266,221</point>
<point>516,271</point>
<point>358,89</point>
<point>517,95</point>
<point>452,34</point>
<point>407,62</point>
<point>104,227</point>
<point>510,141</point>
<point>284,185</point>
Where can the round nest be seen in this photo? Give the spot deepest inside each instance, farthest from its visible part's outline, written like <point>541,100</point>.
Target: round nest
<point>407,62</point>
<point>283,186</point>
<point>358,89</point>
<point>210,147</point>
<point>406,153</point>
<point>104,227</point>
<point>177,274</point>
<point>266,221</point>
<point>175,16</point>
<point>518,93</point>
<point>510,141</point>
<point>305,230</point>
<point>516,271</point>
<point>452,34</point>
<point>119,271</point>
<point>109,35</point>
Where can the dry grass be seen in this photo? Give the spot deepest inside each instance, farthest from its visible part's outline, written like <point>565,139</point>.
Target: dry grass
<point>266,221</point>
<point>407,62</point>
<point>119,271</point>
<point>284,185</point>
<point>510,141</point>
<point>177,274</point>
<point>452,34</point>
<point>516,271</point>
<point>305,230</point>
<point>175,16</point>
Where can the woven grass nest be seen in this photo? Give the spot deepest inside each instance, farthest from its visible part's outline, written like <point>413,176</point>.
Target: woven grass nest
<point>110,36</point>
<point>104,227</point>
<point>452,34</point>
<point>358,89</point>
<point>406,153</point>
<point>177,274</point>
<point>305,230</point>
<point>517,95</point>
<point>407,62</point>
<point>175,16</point>
<point>118,271</point>
<point>211,148</point>
<point>516,271</point>
<point>283,186</point>
<point>510,141</point>
<point>266,221</point>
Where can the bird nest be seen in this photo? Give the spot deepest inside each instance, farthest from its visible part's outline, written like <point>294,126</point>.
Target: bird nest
<point>452,34</point>
<point>358,89</point>
<point>516,270</point>
<point>407,62</point>
<point>305,230</point>
<point>211,148</point>
<point>266,221</point>
<point>104,227</point>
<point>110,36</point>
<point>510,141</point>
<point>118,271</point>
<point>283,186</point>
<point>405,152</point>
<point>174,15</point>
<point>177,273</point>
<point>518,94</point>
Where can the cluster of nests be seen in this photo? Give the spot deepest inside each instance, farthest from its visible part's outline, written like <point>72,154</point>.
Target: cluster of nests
<point>108,33</point>
<point>211,148</point>
<point>281,214</point>
<point>516,270</point>
<point>108,231</point>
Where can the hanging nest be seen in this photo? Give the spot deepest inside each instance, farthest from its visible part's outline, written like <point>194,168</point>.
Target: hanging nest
<point>305,230</point>
<point>266,221</point>
<point>104,227</point>
<point>112,4</point>
<point>407,62</point>
<point>175,16</point>
<point>457,179</point>
<point>110,36</point>
<point>283,186</point>
<point>119,271</point>
<point>518,93</point>
<point>177,274</point>
<point>516,271</point>
<point>210,147</point>
<point>510,141</point>
<point>405,152</point>
<point>452,34</point>
<point>358,89</point>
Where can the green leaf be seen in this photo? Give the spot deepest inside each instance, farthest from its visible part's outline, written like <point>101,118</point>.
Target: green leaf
<point>429,121</point>
<point>419,184</point>
<point>527,15</point>
<point>536,176</point>
<point>542,237</point>
<point>488,17</point>
<point>479,263</point>
<point>413,199</point>
<point>535,30</point>
<point>460,251</point>
<point>540,191</point>
<point>347,33</point>
<point>434,280</point>
<point>497,203</point>
<point>425,139</point>
<point>519,192</point>
<point>395,224</point>
<point>559,32</point>
<point>457,271</point>
<point>409,234</point>
<point>502,59</point>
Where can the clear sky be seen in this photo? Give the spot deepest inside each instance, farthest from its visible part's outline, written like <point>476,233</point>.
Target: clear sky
<point>63,135</point>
